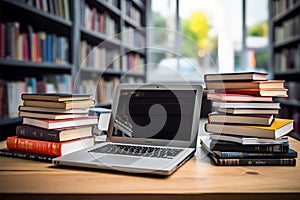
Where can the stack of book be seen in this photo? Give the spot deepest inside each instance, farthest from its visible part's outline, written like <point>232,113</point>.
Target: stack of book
<point>53,125</point>
<point>242,129</point>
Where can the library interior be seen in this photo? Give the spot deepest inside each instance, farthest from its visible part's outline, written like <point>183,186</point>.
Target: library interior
<point>157,78</point>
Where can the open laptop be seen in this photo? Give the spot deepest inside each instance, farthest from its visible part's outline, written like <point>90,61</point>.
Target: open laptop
<point>153,129</point>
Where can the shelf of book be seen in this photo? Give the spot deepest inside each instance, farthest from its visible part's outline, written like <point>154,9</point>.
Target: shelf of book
<point>17,63</point>
<point>96,72</point>
<point>30,10</point>
<point>110,7</point>
<point>131,22</point>
<point>281,16</point>
<point>98,38</point>
<point>288,42</point>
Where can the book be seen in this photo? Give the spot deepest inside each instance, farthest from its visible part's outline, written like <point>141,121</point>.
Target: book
<point>247,140</point>
<point>104,117</point>
<point>223,154</point>
<point>263,119</point>
<point>55,97</point>
<point>274,92</point>
<point>61,123</point>
<point>54,110</point>
<point>51,115</point>
<point>254,161</point>
<point>278,128</point>
<point>237,98</point>
<point>62,105</point>
<point>218,145</point>
<point>270,84</point>
<point>54,135</point>
<point>253,105</point>
<point>242,76</point>
<point>46,147</point>
<point>26,155</point>
<point>245,111</point>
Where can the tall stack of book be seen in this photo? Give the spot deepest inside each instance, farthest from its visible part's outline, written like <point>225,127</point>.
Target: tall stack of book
<point>242,129</point>
<point>53,125</point>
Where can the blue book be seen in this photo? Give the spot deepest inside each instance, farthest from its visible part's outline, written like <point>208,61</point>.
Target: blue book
<point>54,48</point>
<point>223,154</point>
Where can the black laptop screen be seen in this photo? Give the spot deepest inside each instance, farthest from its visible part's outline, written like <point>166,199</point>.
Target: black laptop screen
<point>155,114</point>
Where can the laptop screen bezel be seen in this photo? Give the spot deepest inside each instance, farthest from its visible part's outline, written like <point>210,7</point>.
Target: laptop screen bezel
<point>158,142</point>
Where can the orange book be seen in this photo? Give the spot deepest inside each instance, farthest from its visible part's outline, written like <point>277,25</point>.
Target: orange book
<point>48,148</point>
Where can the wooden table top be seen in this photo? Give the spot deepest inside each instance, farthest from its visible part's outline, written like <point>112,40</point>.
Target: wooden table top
<point>199,177</point>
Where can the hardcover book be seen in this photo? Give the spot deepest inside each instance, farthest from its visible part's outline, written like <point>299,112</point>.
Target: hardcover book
<point>46,147</point>
<point>61,123</point>
<point>55,97</point>
<point>252,105</point>
<point>240,119</point>
<point>269,84</point>
<point>54,135</point>
<point>273,92</point>
<point>53,110</point>
<point>247,111</point>
<point>50,115</point>
<point>26,155</point>
<point>237,98</point>
<point>242,76</point>
<point>218,145</point>
<point>61,105</point>
<point>278,128</point>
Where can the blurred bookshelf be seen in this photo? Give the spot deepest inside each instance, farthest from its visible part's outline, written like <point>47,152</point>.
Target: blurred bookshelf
<point>286,55</point>
<point>46,43</point>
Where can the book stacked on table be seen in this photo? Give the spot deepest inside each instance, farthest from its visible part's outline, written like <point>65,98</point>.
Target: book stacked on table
<point>53,125</point>
<point>242,129</point>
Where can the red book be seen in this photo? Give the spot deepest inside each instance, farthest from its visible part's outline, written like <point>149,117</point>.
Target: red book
<point>25,47</point>
<point>237,98</point>
<point>2,40</point>
<point>48,148</point>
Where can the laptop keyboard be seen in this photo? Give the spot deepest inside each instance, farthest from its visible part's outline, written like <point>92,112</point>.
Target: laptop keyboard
<point>143,151</point>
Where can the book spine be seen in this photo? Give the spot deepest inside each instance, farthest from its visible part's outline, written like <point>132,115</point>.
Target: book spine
<point>257,155</point>
<point>34,146</point>
<point>36,133</point>
<point>272,148</point>
<point>26,155</point>
<point>257,162</point>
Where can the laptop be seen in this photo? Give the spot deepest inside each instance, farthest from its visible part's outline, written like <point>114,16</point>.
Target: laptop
<point>153,129</point>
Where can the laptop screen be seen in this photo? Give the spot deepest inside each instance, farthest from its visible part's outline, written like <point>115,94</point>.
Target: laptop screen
<point>155,114</point>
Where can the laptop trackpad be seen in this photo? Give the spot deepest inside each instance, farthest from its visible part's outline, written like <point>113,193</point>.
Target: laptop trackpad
<point>115,160</point>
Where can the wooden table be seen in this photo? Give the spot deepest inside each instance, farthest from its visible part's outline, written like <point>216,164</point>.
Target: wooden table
<point>197,179</point>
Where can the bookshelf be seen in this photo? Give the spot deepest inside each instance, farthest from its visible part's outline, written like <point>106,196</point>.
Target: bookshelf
<point>286,55</point>
<point>58,28</point>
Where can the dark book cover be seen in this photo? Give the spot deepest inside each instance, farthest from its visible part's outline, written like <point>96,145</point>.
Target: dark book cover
<point>254,161</point>
<point>26,155</point>
<point>36,133</point>
<point>227,154</point>
<point>217,145</point>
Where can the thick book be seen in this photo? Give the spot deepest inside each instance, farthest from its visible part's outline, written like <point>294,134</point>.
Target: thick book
<point>273,92</point>
<point>46,147</point>
<point>253,161</point>
<point>218,145</point>
<point>62,105</point>
<point>246,111</point>
<point>279,127</point>
<point>55,97</point>
<point>61,123</point>
<point>270,84</point>
<point>252,105</point>
<point>51,115</point>
<point>26,155</point>
<point>241,76</point>
<point>247,140</point>
<point>53,110</point>
<point>54,135</point>
<point>237,98</point>
<point>216,117</point>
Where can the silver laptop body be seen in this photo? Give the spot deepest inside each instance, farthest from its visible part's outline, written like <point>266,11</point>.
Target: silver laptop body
<point>146,116</point>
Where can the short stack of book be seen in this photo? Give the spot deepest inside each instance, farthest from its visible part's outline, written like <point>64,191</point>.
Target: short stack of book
<point>53,125</point>
<point>242,129</point>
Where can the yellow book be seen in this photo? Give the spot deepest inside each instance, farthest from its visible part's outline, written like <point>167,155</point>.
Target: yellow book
<point>277,129</point>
